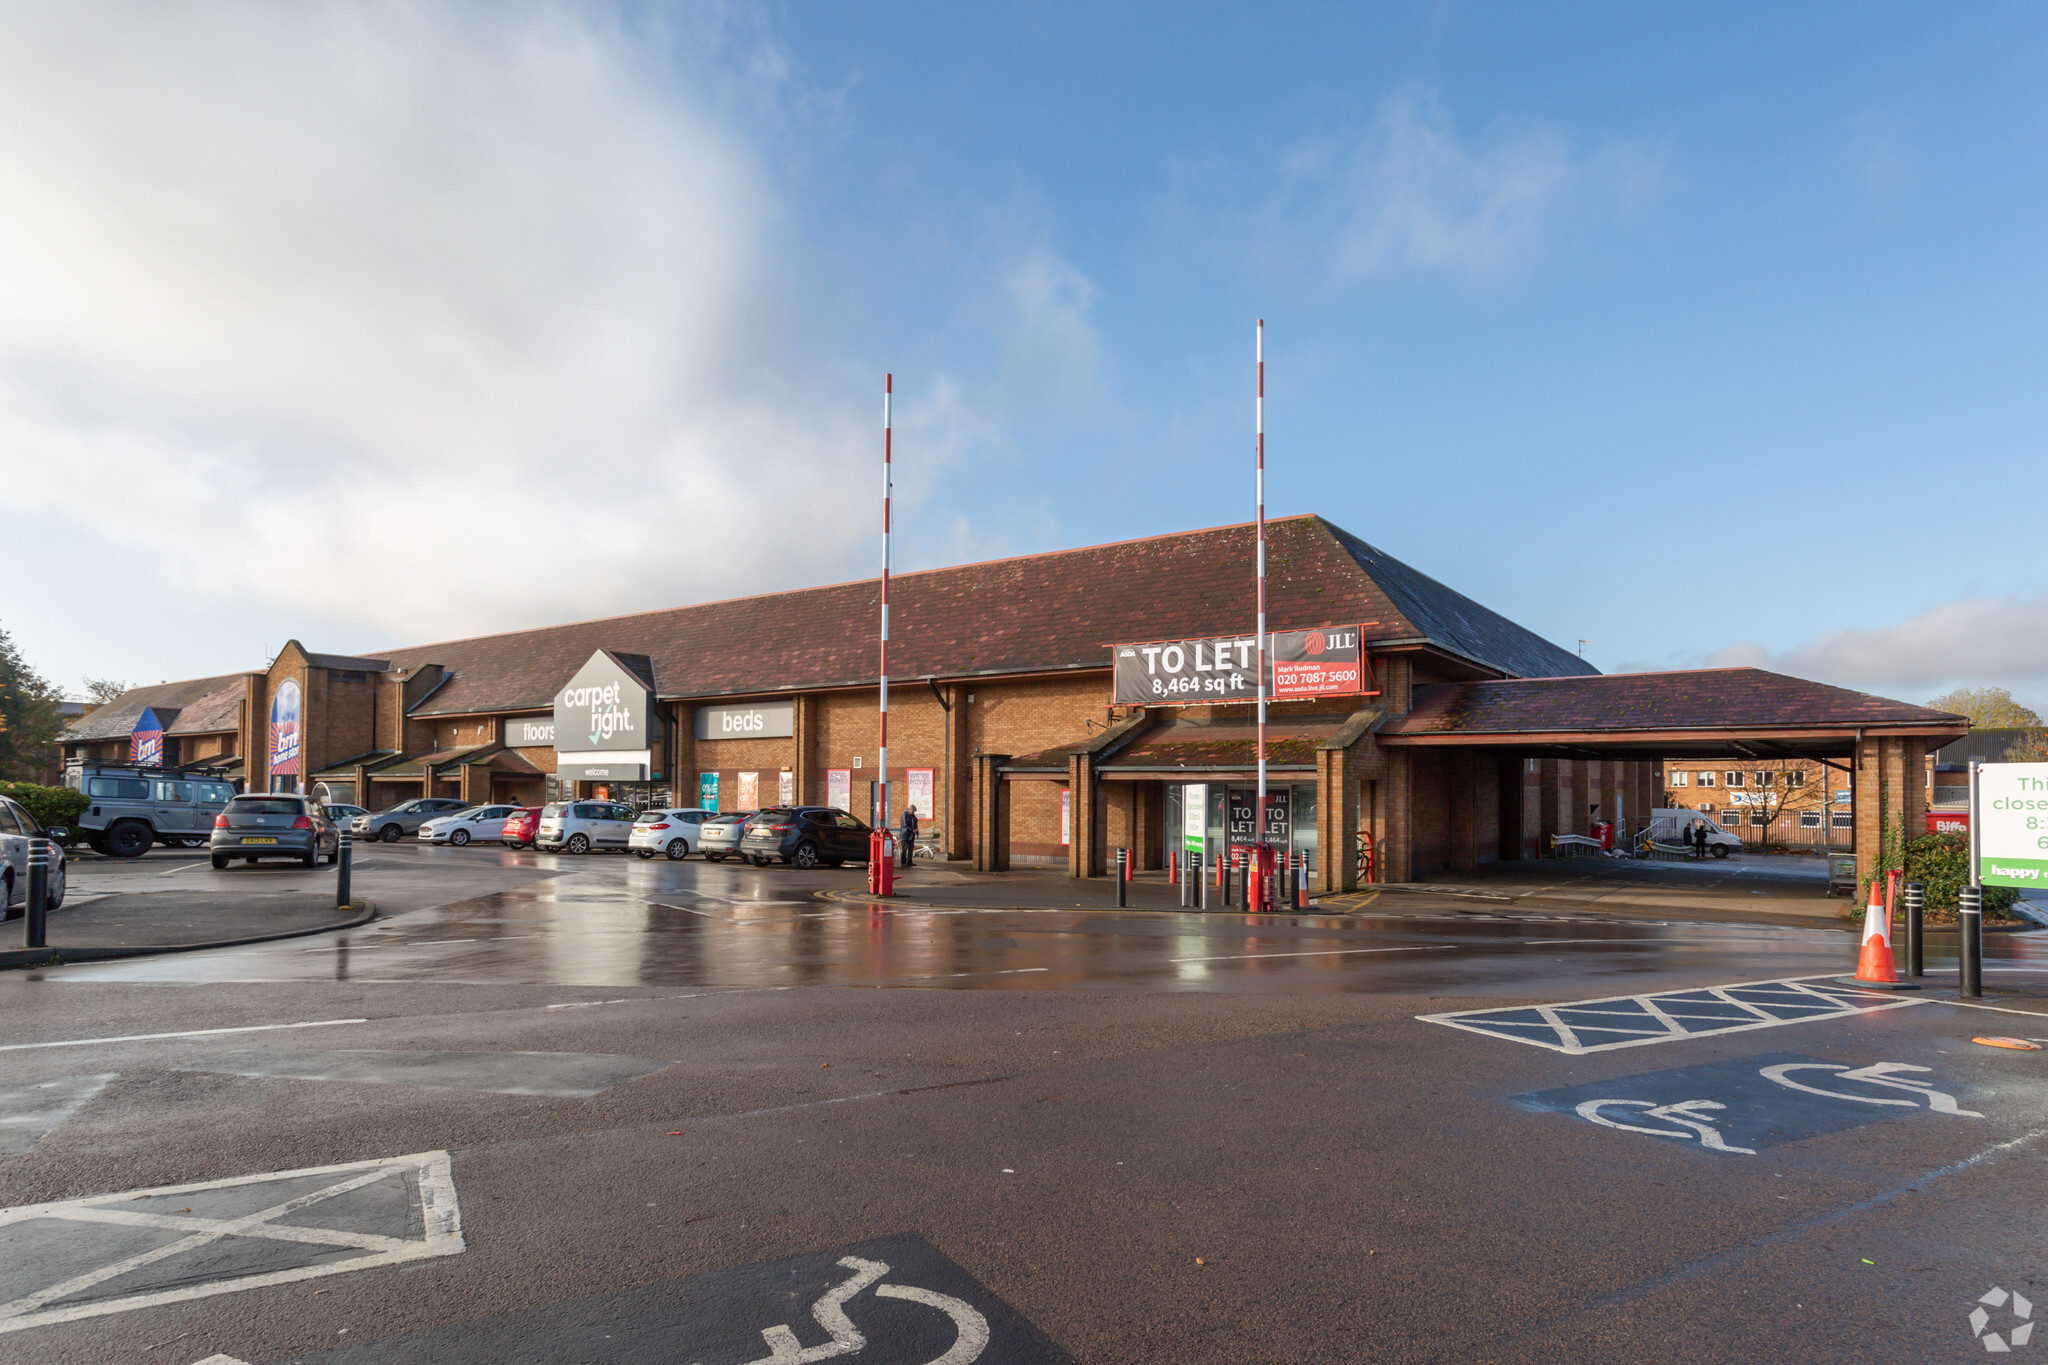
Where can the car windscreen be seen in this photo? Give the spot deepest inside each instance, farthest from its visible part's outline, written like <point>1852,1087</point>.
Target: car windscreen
<point>265,805</point>
<point>118,788</point>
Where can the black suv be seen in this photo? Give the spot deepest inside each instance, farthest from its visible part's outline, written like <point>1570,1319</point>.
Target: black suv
<point>805,836</point>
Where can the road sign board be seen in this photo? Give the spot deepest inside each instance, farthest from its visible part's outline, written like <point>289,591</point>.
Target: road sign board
<point>2012,817</point>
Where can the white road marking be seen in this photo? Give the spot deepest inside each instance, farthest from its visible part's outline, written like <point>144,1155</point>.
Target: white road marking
<point>440,1212</point>
<point>1665,1016</point>
<point>188,1033</point>
<point>1321,952</point>
<point>176,870</point>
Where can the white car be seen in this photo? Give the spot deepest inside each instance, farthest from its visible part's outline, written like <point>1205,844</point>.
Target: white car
<point>674,831</point>
<point>720,836</point>
<point>17,827</point>
<point>479,824</point>
<point>580,826</point>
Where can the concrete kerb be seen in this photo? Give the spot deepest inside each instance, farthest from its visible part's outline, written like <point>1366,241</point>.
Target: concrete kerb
<point>57,957</point>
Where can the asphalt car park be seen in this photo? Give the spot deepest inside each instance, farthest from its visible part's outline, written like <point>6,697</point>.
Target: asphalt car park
<point>586,1108</point>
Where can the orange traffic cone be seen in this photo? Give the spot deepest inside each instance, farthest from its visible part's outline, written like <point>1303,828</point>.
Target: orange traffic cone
<point>1874,969</point>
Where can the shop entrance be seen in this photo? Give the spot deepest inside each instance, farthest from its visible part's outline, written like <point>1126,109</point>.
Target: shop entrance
<point>1213,817</point>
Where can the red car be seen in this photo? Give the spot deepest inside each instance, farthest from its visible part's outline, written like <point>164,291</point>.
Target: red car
<point>519,827</point>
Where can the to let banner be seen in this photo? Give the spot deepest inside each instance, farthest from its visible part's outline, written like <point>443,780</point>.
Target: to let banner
<point>1325,661</point>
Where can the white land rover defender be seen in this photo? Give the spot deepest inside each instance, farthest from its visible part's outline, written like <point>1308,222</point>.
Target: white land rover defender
<point>134,807</point>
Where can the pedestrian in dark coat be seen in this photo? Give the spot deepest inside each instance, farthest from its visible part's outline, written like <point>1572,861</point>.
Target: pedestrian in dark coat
<point>909,834</point>
<point>1699,839</point>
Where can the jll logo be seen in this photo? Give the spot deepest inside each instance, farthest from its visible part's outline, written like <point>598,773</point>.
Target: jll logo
<point>1315,642</point>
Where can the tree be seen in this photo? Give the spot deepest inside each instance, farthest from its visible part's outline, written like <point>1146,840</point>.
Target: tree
<point>100,691</point>
<point>29,716</point>
<point>1774,787</point>
<point>1989,708</point>
<point>2031,747</point>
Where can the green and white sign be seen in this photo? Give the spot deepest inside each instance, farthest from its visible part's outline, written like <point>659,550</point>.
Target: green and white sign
<point>2012,823</point>
<point>1194,817</point>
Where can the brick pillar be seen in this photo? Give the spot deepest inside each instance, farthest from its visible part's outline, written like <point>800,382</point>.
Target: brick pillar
<point>1396,853</point>
<point>1336,820</point>
<point>1889,788</point>
<point>991,814</point>
<point>803,762</point>
<point>1551,787</point>
<point>958,812</point>
<point>1085,829</point>
<point>1462,852</point>
<point>1147,837</point>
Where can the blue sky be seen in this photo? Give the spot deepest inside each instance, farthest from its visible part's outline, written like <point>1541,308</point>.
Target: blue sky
<point>1712,337</point>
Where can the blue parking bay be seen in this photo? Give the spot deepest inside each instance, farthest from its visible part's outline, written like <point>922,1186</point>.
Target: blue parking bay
<point>1583,1026</point>
<point>1751,1103</point>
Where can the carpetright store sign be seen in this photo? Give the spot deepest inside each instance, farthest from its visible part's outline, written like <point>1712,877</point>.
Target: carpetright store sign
<point>604,723</point>
<point>1324,661</point>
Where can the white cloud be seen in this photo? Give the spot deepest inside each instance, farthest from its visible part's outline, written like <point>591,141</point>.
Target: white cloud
<point>1054,348</point>
<point>1978,641</point>
<point>324,305</point>
<point>1406,192</point>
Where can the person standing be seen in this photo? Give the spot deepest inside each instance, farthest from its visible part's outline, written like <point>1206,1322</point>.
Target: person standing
<point>1699,840</point>
<point>909,848</point>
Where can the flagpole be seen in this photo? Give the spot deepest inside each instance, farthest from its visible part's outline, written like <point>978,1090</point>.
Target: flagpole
<point>1260,414</point>
<point>888,389</point>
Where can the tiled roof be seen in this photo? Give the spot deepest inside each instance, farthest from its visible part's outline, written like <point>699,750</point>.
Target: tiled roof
<point>347,661</point>
<point>1701,699</point>
<point>1039,613</point>
<point>217,710</point>
<point>116,720</point>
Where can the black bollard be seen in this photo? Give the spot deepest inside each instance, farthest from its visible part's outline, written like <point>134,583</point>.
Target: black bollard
<point>341,862</point>
<point>36,913</point>
<point>1913,900</point>
<point>1123,873</point>
<point>1970,944</point>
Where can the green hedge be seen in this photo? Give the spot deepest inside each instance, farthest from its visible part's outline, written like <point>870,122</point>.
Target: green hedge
<point>50,805</point>
<point>1941,863</point>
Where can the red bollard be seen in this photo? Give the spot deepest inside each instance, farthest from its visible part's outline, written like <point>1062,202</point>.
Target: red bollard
<point>881,864</point>
<point>1173,869</point>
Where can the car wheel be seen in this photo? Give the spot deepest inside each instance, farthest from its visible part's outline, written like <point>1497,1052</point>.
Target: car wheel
<point>514,844</point>
<point>219,863</point>
<point>190,843</point>
<point>579,843</point>
<point>714,857</point>
<point>645,853</point>
<point>1720,850</point>
<point>806,856</point>
<point>129,839</point>
<point>459,837</point>
<point>390,834</point>
<point>678,849</point>
<point>312,856</point>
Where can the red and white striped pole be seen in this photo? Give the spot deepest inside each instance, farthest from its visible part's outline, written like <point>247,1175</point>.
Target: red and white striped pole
<point>1257,899</point>
<point>888,390</point>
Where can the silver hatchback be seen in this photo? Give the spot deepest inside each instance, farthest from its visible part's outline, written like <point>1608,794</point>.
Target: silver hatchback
<point>719,839</point>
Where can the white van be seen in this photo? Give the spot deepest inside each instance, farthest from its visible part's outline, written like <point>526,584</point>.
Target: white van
<point>1669,825</point>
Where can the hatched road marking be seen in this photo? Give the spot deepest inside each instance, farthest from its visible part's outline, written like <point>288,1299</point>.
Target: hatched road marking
<point>83,1258</point>
<point>1666,1016</point>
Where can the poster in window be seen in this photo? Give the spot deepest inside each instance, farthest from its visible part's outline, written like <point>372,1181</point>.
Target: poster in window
<point>839,788</point>
<point>1066,816</point>
<point>785,788</point>
<point>750,791</point>
<point>920,782</point>
<point>707,791</point>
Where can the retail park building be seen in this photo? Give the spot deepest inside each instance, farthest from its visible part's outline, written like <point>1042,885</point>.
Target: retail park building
<point>1417,719</point>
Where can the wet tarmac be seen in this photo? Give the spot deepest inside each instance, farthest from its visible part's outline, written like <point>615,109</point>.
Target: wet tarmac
<point>612,921</point>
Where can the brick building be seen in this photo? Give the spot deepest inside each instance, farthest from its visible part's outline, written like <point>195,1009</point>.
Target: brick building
<point>1460,737</point>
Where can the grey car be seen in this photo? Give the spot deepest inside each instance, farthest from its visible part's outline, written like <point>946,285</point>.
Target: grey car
<point>277,825</point>
<point>395,822</point>
<point>17,828</point>
<point>719,838</point>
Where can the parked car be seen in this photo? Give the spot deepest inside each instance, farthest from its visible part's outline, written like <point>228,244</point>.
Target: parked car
<point>344,816</point>
<point>580,826</point>
<point>134,807</point>
<point>1672,823</point>
<point>17,828</point>
<point>519,827</point>
<point>670,830</point>
<point>277,825</point>
<point>395,822</point>
<point>474,823</point>
<point>805,836</point>
<point>718,838</point>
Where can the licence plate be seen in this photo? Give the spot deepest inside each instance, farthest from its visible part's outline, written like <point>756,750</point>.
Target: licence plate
<point>247,840</point>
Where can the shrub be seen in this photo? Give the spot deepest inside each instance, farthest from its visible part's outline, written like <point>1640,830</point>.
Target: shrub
<point>1941,863</point>
<point>50,805</point>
